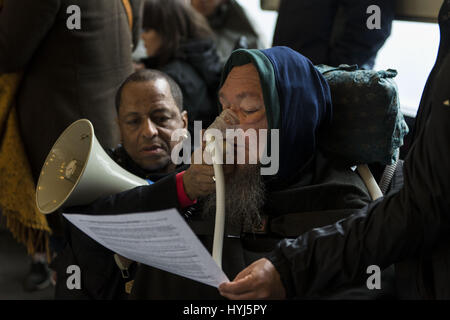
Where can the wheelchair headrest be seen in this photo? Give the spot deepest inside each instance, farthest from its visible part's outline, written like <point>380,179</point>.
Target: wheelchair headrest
<point>367,125</point>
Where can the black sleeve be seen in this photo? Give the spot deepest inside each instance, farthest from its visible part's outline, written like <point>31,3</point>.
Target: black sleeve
<point>356,43</point>
<point>306,27</point>
<point>402,225</point>
<point>158,196</point>
<point>333,32</point>
<point>23,25</point>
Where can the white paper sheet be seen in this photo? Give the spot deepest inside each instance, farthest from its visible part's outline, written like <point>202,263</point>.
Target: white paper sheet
<point>161,239</point>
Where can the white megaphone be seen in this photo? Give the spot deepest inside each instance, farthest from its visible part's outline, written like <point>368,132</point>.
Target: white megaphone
<point>77,171</point>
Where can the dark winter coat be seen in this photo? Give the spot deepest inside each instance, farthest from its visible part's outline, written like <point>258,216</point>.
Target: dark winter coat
<point>333,32</point>
<point>101,277</point>
<point>410,227</point>
<point>323,192</point>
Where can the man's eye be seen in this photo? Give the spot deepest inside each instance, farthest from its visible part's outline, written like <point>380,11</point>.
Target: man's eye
<point>133,122</point>
<point>250,111</point>
<point>162,119</point>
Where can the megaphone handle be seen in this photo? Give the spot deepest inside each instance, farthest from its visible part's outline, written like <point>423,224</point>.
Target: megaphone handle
<point>220,214</point>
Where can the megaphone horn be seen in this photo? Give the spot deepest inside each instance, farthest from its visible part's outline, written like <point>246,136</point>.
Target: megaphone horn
<point>77,171</point>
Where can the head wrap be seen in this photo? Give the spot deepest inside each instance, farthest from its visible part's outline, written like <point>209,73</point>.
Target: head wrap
<point>297,100</point>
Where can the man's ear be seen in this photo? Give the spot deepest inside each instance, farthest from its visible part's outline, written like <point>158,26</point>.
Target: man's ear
<point>120,131</point>
<point>184,117</point>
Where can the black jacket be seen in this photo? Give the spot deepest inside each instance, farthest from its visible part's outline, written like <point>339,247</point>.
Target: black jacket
<point>333,32</point>
<point>292,208</point>
<point>409,227</point>
<point>196,69</point>
<point>319,194</point>
<point>100,276</point>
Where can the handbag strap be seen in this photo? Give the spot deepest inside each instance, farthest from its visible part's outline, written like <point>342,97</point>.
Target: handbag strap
<point>129,11</point>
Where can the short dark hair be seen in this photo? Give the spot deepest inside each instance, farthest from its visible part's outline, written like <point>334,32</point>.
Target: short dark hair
<point>175,21</point>
<point>146,75</point>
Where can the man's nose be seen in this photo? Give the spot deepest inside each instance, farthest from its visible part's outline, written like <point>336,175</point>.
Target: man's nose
<point>150,130</point>
<point>233,108</point>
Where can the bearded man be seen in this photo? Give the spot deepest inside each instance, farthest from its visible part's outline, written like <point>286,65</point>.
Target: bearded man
<point>267,91</point>
<point>274,89</point>
<point>409,227</point>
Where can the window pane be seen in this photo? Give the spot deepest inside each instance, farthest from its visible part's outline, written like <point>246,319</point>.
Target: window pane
<point>411,50</point>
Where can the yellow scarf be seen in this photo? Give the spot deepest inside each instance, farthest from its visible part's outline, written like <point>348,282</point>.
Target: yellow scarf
<point>17,189</point>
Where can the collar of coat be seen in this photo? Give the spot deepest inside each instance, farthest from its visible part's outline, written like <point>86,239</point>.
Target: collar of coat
<point>121,157</point>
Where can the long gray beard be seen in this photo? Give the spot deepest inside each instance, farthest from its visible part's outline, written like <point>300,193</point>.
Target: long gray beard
<point>244,198</point>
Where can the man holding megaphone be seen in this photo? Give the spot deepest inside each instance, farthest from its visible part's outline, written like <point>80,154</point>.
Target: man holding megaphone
<point>150,108</point>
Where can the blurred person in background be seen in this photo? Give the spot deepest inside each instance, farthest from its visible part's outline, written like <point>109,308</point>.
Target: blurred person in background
<point>18,211</point>
<point>180,43</point>
<point>334,32</point>
<point>231,25</point>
